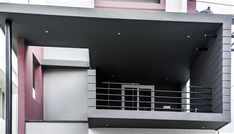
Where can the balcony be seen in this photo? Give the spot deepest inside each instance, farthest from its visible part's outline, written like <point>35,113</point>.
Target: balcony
<point>116,104</point>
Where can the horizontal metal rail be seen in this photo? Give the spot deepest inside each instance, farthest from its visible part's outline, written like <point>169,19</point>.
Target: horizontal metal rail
<point>134,89</point>
<point>149,102</point>
<point>166,97</point>
<point>133,96</point>
<point>120,83</point>
<point>200,87</point>
<point>155,108</point>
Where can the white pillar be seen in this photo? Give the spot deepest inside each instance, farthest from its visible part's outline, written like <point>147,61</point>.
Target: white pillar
<point>176,5</point>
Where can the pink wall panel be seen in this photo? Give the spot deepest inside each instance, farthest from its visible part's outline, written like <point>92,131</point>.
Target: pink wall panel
<point>21,85</point>
<point>130,5</point>
<point>33,108</point>
<point>191,6</point>
<point>29,108</point>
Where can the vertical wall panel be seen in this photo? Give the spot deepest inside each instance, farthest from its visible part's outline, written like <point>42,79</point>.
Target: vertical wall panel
<point>65,94</point>
<point>92,89</point>
<point>207,70</point>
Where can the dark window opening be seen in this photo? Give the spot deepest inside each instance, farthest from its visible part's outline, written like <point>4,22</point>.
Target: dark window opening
<point>36,64</point>
<point>3,105</point>
<point>145,99</point>
<point>130,98</point>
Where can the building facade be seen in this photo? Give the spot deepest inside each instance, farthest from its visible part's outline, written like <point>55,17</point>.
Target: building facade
<point>119,66</point>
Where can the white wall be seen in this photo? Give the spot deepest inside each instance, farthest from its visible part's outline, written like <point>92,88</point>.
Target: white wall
<point>2,51</point>
<point>216,6</point>
<point>15,113</point>
<point>2,126</point>
<point>176,5</point>
<point>56,128</point>
<point>70,57</point>
<point>147,131</point>
<point>15,1</point>
<point>68,3</point>
<point>60,53</point>
<point>65,94</point>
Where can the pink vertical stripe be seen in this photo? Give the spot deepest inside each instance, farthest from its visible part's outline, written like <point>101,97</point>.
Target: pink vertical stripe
<point>29,109</point>
<point>21,85</point>
<point>191,6</point>
<point>34,108</point>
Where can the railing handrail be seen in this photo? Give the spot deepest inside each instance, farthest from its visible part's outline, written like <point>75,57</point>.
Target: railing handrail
<point>155,108</point>
<point>134,89</point>
<point>200,87</point>
<point>149,102</point>
<point>134,96</point>
<point>120,83</point>
<point>167,97</point>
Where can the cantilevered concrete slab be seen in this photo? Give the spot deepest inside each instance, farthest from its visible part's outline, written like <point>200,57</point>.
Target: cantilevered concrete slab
<point>120,36</point>
<point>136,45</point>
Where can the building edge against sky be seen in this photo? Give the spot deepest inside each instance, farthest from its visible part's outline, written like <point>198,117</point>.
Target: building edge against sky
<point>137,130</point>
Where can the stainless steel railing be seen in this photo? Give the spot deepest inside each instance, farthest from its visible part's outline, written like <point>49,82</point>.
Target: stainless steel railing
<point>133,98</point>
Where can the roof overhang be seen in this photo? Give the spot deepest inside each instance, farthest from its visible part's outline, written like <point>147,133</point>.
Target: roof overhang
<point>119,38</point>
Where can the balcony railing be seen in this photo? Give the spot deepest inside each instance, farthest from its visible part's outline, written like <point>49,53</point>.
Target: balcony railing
<point>133,96</point>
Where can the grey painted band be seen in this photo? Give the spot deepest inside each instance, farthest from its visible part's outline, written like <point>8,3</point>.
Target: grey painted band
<point>69,63</point>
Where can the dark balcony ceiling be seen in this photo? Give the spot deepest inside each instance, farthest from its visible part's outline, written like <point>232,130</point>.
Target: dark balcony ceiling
<point>125,50</point>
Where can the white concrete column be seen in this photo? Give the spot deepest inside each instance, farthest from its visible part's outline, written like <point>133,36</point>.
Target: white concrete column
<point>176,5</point>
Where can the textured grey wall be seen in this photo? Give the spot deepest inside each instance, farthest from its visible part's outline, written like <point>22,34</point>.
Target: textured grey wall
<point>213,69</point>
<point>207,71</point>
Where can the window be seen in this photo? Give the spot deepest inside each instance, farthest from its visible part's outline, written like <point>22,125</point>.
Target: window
<point>2,104</point>
<point>138,97</point>
<point>130,99</point>
<point>145,99</point>
<point>36,64</point>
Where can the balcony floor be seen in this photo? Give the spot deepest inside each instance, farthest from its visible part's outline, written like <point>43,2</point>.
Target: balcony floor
<point>154,119</point>
<point>137,123</point>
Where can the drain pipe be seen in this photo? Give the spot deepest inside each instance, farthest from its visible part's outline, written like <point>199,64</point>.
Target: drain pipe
<point>8,35</point>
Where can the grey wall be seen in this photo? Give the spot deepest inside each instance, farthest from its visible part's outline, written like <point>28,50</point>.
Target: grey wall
<point>147,131</point>
<point>77,128</point>
<point>65,94</point>
<point>207,71</point>
<point>91,89</point>
<point>212,69</point>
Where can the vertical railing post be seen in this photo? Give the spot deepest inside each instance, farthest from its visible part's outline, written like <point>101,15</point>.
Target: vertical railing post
<point>138,97</point>
<point>8,35</point>
<point>152,98</point>
<point>122,98</point>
